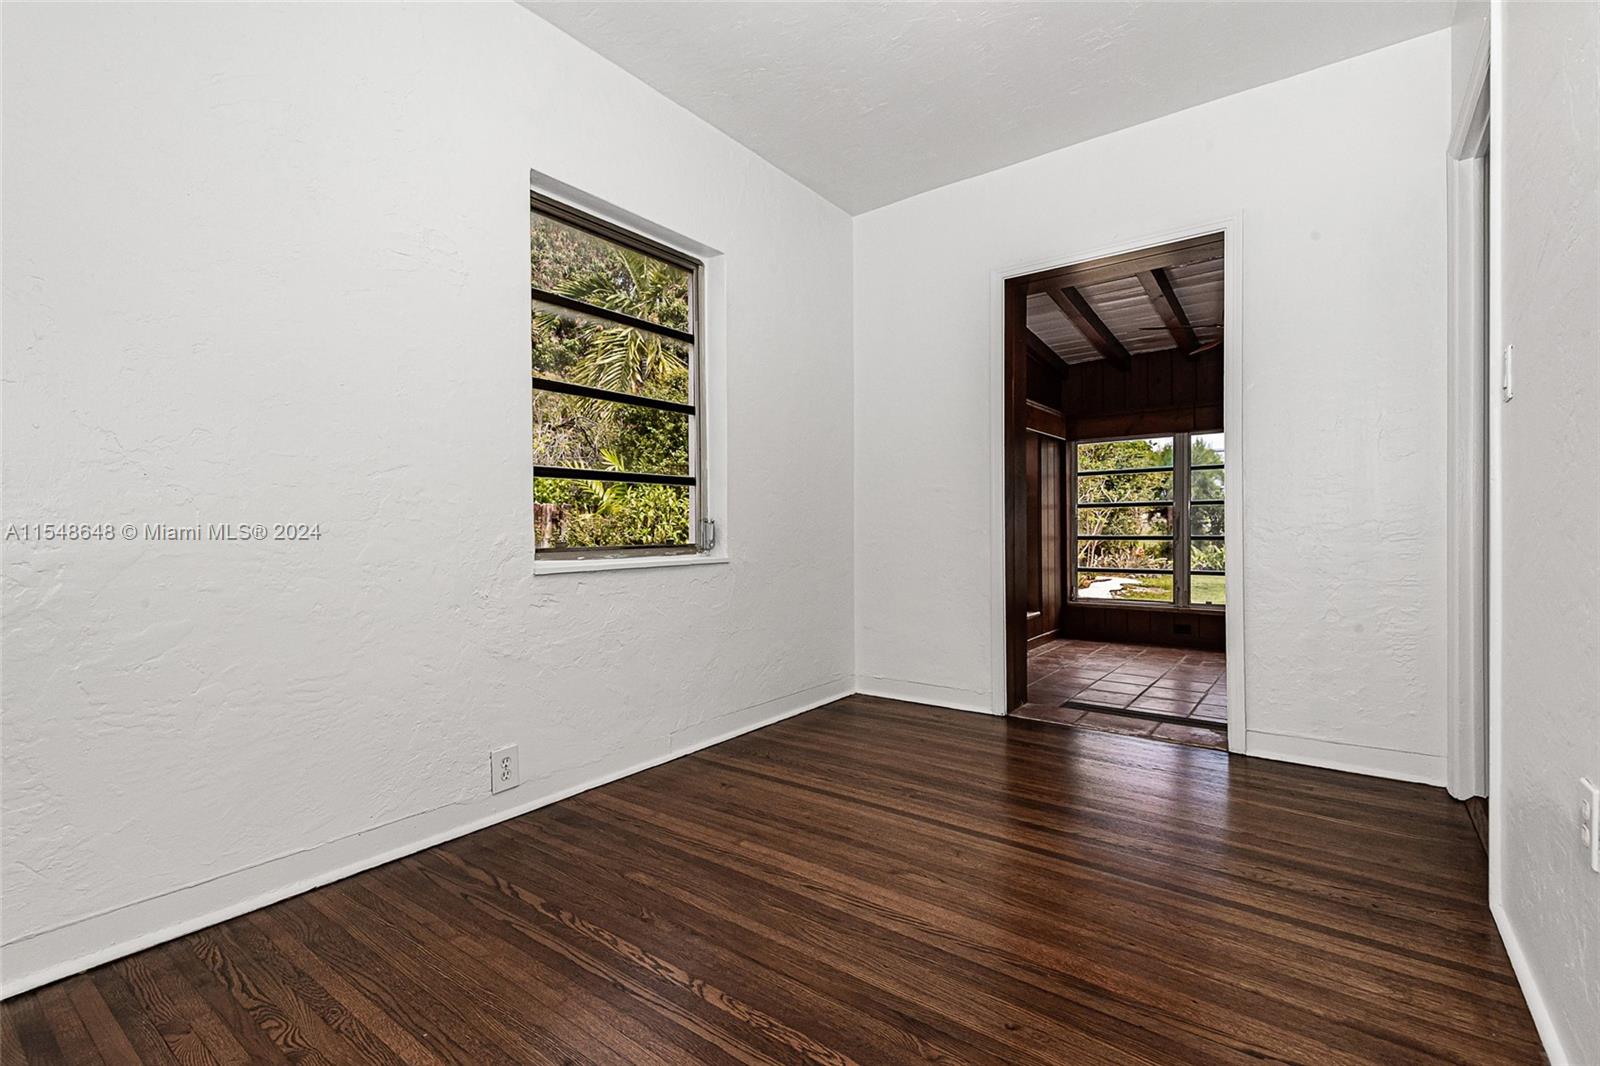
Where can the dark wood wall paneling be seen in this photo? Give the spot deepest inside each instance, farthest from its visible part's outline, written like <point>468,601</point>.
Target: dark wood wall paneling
<point>1167,626</point>
<point>1163,392</point>
<point>1046,428</point>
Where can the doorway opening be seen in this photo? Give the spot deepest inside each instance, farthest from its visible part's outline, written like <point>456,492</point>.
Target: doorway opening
<point>1116,615</point>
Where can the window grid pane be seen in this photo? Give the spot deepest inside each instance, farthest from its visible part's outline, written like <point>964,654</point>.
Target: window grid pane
<point>1148,453</point>
<point>614,377</point>
<point>1132,513</point>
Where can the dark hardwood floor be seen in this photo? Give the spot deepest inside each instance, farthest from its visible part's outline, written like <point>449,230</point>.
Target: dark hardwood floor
<point>872,882</point>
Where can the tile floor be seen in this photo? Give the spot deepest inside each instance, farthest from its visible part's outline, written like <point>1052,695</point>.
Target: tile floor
<point>1102,679</point>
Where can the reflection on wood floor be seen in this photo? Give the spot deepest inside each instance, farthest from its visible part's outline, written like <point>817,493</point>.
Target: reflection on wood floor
<point>869,882</point>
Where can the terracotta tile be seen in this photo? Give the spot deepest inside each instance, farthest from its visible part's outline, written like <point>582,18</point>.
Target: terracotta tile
<point>1178,689</point>
<point>1122,684</point>
<point>1161,706</point>
<point>1116,684</point>
<point>1116,723</point>
<point>1165,680</point>
<point>1103,697</point>
<point>1210,714</point>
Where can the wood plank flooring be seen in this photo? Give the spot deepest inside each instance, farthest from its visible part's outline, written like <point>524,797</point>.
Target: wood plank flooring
<point>871,882</point>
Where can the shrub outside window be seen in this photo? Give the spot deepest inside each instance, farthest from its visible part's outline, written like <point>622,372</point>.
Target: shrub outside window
<point>616,383</point>
<point>1147,520</point>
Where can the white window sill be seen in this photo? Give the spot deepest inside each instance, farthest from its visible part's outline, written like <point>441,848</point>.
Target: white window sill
<point>648,562</point>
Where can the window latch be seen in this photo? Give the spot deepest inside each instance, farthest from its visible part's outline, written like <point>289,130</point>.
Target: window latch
<point>709,538</point>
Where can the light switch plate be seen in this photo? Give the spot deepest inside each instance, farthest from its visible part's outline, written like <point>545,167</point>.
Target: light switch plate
<point>1589,820</point>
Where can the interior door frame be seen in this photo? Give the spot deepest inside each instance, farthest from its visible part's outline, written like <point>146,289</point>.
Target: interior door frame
<point>1007,402</point>
<point>1471,411</point>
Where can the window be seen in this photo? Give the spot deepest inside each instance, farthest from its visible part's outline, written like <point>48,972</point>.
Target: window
<point>616,381</point>
<point>1147,523</point>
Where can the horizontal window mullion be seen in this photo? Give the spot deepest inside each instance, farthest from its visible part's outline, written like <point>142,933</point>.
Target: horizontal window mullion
<point>573,473</point>
<point>1204,466</point>
<point>590,392</point>
<point>1214,573</point>
<point>1207,536</point>
<point>1123,570</point>
<point>644,325</point>
<point>1125,536</point>
<point>1126,470</point>
<point>621,551</point>
<point>1096,504</point>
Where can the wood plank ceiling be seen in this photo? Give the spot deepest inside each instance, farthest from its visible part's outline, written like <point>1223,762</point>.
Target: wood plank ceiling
<point>1154,300</point>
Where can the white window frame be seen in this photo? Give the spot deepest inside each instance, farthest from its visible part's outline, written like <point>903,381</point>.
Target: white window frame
<point>707,382</point>
<point>1180,536</point>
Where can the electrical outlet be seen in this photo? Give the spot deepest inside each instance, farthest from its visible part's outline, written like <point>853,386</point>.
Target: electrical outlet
<point>503,771</point>
<point>1589,820</point>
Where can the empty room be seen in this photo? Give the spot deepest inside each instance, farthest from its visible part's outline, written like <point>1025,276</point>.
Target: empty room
<point>678,533</point>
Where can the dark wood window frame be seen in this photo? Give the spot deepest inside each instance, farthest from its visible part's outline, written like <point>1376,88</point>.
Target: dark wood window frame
<point>1180,520</point>
<point>702,528</point>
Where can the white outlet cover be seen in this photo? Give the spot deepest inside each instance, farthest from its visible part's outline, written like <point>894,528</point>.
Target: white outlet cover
<point>503,770</point>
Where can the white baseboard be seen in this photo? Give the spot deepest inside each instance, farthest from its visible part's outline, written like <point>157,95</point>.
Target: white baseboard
<point>56,953</point>
<point>1543,1020</point>
<point>955,699</point>
<point>1352,758</point>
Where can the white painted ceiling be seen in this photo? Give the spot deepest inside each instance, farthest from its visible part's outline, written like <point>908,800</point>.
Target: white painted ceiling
<point>868,103</point>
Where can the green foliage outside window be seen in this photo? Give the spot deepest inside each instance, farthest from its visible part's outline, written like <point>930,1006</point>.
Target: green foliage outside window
<point>1140,472</point>
<point>592,434</point>
<point>1153,521</point>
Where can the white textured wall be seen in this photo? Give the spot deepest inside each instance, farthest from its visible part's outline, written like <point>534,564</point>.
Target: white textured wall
<point>1546,127</point>
<point>1338,175</point>
<point>270,263</point>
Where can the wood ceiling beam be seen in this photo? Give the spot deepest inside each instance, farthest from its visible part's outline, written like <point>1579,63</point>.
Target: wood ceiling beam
<point>1117,267</point>
<point>1043,351</point>
<point>1077,309</point>
<point>1164,297</point>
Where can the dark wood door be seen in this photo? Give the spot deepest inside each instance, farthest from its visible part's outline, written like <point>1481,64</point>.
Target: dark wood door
<point>1045,563</point>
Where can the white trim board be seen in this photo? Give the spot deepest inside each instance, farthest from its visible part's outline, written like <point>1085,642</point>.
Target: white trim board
<point>951,699</point>
<point>1351,758</point>
<point>1232,229</point>
<point>1469,397</point>
<point>69,949</point>
<point>1544,1022</point>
